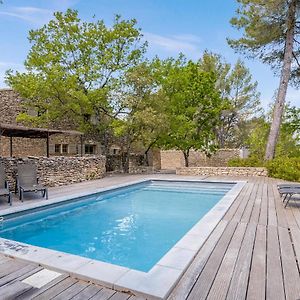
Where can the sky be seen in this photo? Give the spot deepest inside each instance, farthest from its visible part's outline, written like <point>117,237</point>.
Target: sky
<point>169,26</point>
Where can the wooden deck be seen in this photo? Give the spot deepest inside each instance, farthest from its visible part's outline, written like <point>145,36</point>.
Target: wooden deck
<point>253,253</point>
<point>12,287</point>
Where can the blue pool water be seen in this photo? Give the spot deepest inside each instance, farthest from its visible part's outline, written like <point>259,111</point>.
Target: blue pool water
<point>132,227</point>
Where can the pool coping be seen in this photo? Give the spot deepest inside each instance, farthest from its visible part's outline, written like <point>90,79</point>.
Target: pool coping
<point>155,284</point>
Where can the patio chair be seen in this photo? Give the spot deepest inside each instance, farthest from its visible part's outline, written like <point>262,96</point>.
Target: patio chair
<point>28,181</point>
<point>288,185</point>
<point>285,188</point>
<point>288,193</point>
<point>4,188</point>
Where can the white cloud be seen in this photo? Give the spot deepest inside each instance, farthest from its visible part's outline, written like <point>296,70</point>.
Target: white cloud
<point>29,14</point>
<point>37,15</point>
<point>174,44</point>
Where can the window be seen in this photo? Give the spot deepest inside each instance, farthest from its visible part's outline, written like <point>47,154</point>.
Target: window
<point>57,148</point>
<point>89,149</point>
<point>65,148</point>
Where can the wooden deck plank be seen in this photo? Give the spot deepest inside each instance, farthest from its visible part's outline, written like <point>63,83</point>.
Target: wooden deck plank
<point>72,291</point>
<point>289,264</point>
<point>222,280</point>
<point>296,213</point>
<point>120,296</point>
<point>88,292</point>
<point>257,281</point>
<point>36,292</point>
<point>281,216</point>
<point>11,291</point>
<point>257,203</point>
<point>250,205</point>
<point>236,211</point>
<point>240,211</point>
<point>295,236</point>
<point>188,280</point>
<point>275,288</point>
<point>56,289</point>
<point>104,294</point>
<point>25,271</point>
<point>263,216</point>
<point>272,215</point>
<point>205,280</point>
<point>239,280</point>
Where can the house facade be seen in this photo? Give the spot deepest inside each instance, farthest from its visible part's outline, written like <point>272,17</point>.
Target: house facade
<point>59,145</point>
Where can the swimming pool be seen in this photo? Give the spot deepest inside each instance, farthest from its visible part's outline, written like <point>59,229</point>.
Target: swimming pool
<point>140,237</point>
<point>133,227</point>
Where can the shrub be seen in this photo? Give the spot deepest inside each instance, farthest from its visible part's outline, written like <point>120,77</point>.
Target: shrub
<point>245,162</point>
<point>282,167</point>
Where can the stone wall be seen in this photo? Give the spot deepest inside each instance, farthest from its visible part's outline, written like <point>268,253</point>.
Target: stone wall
<point>56,171</point>
<point>172,159</point>
<point>141,169</point>
<point>11,105</point>
<point>114,163</point>
<point>222,171</point>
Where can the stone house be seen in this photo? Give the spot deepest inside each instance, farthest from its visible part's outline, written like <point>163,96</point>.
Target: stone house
<point>59,145</point>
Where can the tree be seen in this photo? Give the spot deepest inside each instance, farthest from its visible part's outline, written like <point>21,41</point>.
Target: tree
<point>236,86</point>
<point>270,34</point>
<point>74,71</point>
<point>193,108</point>
<point>288,140</point>
<point>142,119</point>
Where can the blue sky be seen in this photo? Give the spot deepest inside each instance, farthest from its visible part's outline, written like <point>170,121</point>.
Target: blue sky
<point>170,26</point>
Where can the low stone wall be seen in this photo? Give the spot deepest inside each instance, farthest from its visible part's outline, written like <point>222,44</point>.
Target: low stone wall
<point>56,171</point>
<point>141,169</point>
<point>225,171</point>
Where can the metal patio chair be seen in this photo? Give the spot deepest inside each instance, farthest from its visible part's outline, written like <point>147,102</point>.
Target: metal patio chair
<point>28,181</point>
<point>287,191</point>
<point>4,188</point>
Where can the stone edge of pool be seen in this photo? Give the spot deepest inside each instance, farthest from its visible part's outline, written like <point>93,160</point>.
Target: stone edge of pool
<point>155,284</point>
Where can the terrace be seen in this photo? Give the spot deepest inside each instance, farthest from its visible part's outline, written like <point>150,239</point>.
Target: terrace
<point>253,253</point>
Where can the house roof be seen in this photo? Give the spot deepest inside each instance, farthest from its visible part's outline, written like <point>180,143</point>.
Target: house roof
<point>33,133</point>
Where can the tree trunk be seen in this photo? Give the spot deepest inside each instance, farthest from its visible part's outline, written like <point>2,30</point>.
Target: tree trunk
<point>147,151</point>
<point>284,80</point>
<point>186,154</point>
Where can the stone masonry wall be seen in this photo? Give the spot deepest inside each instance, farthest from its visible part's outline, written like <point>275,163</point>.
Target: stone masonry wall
<point>222,171</point>
<point>56,171</point>
<point>172,159</point>
<point>11,105</point>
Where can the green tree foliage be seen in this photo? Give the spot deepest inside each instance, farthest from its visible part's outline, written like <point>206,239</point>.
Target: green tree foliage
<point>271,33</point>
<point>142,120</point>
<point>74,70</point>
<point>193,108</point>
<point>288,142</point>
<point>236,86</point>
